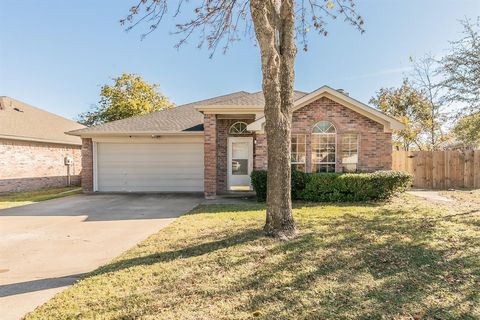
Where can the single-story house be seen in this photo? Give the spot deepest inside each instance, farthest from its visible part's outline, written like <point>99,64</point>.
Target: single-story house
<point>35,152</point>
<point>212,145</point>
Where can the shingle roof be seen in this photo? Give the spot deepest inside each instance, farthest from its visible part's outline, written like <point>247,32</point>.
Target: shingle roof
<point>21,121</point>
<point>251,99</point>
<point>179,119</point>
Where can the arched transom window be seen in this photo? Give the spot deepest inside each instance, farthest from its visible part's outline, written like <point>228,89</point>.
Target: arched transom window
<point>238,128</point>
<point>324,137</point>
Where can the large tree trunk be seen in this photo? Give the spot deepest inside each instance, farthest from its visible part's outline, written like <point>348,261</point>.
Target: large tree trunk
<point>274,28</point>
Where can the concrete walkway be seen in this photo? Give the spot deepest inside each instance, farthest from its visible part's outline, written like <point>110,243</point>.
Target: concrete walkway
<point>430,195</point>
<point>46,246</point>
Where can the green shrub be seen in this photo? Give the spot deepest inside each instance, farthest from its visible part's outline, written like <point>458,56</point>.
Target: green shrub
<point>333,187</point>
<point>259,183</point>
<point>336,187</point>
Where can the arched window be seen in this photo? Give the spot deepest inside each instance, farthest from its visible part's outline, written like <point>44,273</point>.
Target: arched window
<point>324,138</point>
<point>238,128</point>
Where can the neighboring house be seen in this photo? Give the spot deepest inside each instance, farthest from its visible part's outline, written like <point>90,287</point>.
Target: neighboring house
<point>212,146</point>
<point>34,148</point>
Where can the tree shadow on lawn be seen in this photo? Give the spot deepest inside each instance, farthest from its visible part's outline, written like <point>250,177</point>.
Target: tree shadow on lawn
<point>184,253</point>
<point>349,274</point>
<point>380,266</point>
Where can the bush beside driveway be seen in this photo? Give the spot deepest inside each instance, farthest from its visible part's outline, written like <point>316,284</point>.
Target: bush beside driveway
<point>405,259</point>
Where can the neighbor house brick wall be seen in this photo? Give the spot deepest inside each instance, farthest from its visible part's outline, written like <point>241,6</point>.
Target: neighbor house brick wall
<point>28,165</point>
<point>87,165</point>
<point>210,155</point>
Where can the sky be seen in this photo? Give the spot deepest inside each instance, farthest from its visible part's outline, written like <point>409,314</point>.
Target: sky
<point>56,55</point>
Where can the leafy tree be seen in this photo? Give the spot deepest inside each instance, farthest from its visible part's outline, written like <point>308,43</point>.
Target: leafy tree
<point>461,68</point>
<point>426,80</point>
<point>467,131</point>
<point>408,105</point>
<point>276,25</point>
<point>129,96</point>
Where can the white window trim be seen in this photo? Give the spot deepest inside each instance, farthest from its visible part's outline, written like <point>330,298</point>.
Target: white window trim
<point>358,147</point>
<point>336,145</point>
<point>305,148</point>
<point>245,131</point>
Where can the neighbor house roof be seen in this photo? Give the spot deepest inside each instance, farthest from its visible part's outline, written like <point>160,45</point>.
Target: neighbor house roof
<point>188,118</point>
<point>21,121</point>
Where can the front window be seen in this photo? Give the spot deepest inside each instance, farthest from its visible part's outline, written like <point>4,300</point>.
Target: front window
<point>238,128</point>
<point>324,136</point>
<point>298,152</point>
<point>349,152</point>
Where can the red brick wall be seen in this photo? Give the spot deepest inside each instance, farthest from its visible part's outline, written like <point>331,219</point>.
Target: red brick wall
<point>260,160</point>
<point>210,155</point>
<point>375,146</point>
<point>87,165</point>
<point>28,165</point>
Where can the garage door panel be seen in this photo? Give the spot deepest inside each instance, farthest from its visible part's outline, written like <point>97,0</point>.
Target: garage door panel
<point>173,171</point>
<point>150,167</point>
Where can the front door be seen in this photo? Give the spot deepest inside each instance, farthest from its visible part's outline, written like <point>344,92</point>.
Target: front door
<point>240,163</point>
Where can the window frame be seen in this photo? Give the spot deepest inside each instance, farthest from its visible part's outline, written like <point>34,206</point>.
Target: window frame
<point>295,163</point>
<point>245,131</point>
<point>350,166</point>
<point>313,147</point>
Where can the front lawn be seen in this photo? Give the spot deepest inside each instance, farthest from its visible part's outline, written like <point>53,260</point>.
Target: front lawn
<point>407,259</point>
<point>472,196</point>
<point>15,199</point>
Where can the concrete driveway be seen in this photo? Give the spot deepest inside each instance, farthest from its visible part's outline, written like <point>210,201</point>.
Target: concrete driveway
<point>46,246</point>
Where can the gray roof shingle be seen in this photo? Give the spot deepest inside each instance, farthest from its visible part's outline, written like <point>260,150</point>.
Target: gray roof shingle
<point>179,119</point>
<point>21,121</point>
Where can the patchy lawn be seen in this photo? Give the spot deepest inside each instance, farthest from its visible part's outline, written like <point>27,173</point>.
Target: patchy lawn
<point>15,199</point>
<point>406,259</point>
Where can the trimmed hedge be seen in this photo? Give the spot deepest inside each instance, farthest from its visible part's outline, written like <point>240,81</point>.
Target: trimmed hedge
<point>338,187</point>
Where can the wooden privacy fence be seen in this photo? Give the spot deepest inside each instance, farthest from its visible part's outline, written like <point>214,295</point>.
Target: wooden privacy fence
<point>440,169</point>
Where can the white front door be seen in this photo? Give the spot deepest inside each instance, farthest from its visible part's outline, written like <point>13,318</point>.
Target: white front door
<point>240,163</point>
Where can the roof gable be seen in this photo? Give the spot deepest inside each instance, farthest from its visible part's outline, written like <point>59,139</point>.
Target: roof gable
<point>388,122</point>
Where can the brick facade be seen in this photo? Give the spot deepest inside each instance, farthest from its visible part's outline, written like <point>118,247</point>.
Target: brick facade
<point>87,165</point>
<point>210,155</point>
<point>374,145</point>
<point>28,165</point>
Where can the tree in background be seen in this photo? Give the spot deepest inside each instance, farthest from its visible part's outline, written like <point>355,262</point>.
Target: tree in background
<point>409,106</point>
<point>425,79</point>
<point>276,24</point>
<point>467,131</point>
<point>129,96</point>
<point>461,69</point>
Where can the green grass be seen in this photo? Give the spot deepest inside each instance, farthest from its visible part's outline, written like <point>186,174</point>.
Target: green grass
<point>406,259</point>
<point>15,199</point>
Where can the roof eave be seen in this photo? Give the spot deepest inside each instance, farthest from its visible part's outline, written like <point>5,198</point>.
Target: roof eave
<point>138,134</point>
<point>22,138</point>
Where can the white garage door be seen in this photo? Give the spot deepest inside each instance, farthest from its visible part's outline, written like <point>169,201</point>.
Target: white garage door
<point>149,167</point>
